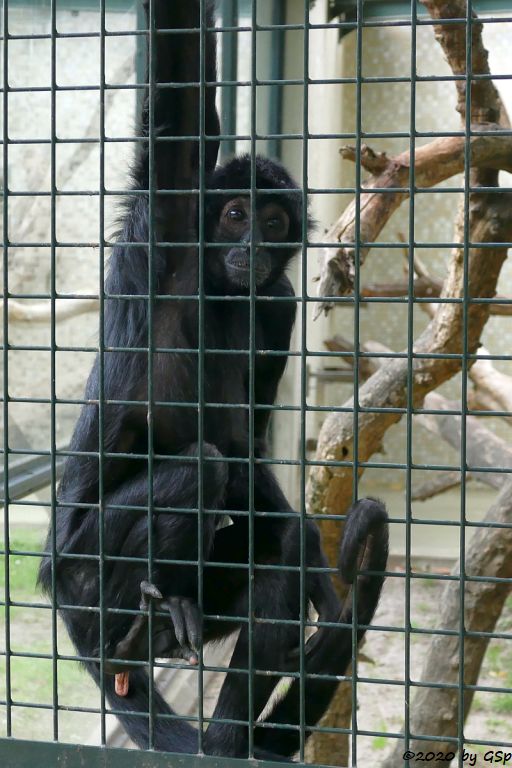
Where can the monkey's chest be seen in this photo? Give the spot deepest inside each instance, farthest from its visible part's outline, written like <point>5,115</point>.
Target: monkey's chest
<point>212,382</point>
<point>214,389</point>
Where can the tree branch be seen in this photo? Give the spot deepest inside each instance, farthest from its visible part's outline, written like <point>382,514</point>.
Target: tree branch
<point>374,162</point>
<point>493,389</point>
<point>440,483</point>
<point>42,312</point>
<point>433,163</point>
<point>483,447</point>
<point>331,488</point>
<point>428,286</point>
<point>486,105</point>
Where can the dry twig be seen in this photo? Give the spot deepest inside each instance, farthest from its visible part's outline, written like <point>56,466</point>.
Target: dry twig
<point>42,311</point>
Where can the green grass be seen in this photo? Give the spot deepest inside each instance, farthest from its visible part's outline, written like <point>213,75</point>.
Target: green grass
<point>22,568</point>
<point>502,703</point>
<point>31,632</point>
<point>495,723</point>
<point>381,742</point>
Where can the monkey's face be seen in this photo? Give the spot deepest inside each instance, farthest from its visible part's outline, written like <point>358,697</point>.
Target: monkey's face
<point>235,232</point>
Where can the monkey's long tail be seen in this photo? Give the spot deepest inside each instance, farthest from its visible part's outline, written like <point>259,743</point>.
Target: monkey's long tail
<point>169,734</point>
<point>365,532</point>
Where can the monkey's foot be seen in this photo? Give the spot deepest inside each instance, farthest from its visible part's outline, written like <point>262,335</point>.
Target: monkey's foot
<point>183,643</point>
<point>187,626</point>
<point>185,620</point>
<point>176,639</point>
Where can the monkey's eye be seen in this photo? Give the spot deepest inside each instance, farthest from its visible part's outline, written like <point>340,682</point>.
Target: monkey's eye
<point>274,223</point>
<point>235,214</point>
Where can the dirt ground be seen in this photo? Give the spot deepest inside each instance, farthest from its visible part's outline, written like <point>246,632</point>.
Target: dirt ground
<point>382,706</point>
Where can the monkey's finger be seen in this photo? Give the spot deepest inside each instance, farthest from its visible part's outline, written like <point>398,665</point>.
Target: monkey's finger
<point>147,589</point>
<point>184,652</point>
<point>178,620</point>
<point>193,623</point>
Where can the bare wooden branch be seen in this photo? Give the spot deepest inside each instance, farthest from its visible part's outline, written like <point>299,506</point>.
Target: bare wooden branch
<point>482,443</point>
<point>374,162</point>
<point>483,447</point>
<point>423,288</point>
<point>434,162</point>
<point>440,483</point>
<point>42,312</point>
<point>493,389</point>
<point>367,365</point>
<point>426,287</point>
<point>486,105</point>
<point>331,488</point>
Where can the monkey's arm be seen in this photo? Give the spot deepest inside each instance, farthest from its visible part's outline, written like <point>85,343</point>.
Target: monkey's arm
<point>171,108</point>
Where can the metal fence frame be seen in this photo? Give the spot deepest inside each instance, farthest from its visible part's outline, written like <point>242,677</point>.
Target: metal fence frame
<point>20,753</point>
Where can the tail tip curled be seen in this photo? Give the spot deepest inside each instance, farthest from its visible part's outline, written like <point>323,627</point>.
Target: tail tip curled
<point>366,527</point>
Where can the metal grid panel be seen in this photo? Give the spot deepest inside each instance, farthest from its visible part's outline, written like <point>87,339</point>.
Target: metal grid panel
<point>274,136</point>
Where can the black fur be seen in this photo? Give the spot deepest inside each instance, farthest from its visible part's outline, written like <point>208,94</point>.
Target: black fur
<point>122,514</point>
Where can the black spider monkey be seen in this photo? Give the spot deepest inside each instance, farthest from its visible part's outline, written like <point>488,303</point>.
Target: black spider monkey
<point>121,514</point>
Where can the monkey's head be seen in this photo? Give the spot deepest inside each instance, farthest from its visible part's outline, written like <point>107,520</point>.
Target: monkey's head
<point>264,245</point>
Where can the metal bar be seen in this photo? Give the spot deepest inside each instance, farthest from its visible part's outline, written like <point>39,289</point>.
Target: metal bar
<point>229,67</point>
<point>410,384</point>
<point>5,366</point>
<point>152,217</point>
<point>19,754</point>
<point>356,308</point>
<point>101,379</point>
<point>274,146</point>
<point>303,615</point>
<point>31,474</point>
<point>201,366</point>
<point>251,718</point>
<point>464,388</point>
<point>53,346</point>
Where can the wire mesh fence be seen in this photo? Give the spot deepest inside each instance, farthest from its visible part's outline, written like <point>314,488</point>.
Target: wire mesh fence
<point>270,343</point>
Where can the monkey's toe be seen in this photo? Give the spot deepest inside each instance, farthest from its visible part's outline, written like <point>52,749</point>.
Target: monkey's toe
<point>186,620</point>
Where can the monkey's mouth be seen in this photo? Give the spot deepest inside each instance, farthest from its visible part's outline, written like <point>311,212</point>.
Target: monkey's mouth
<point>239,267</point>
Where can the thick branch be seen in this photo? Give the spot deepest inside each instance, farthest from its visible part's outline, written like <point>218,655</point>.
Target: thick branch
<point>482,444</point>
<point>367,365</point>
<point>433,163</point>
<point>331,488</point>
<point>483,447</point>
<point>440,483</point>
<point>493,389</point>
<point>486,105</point>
